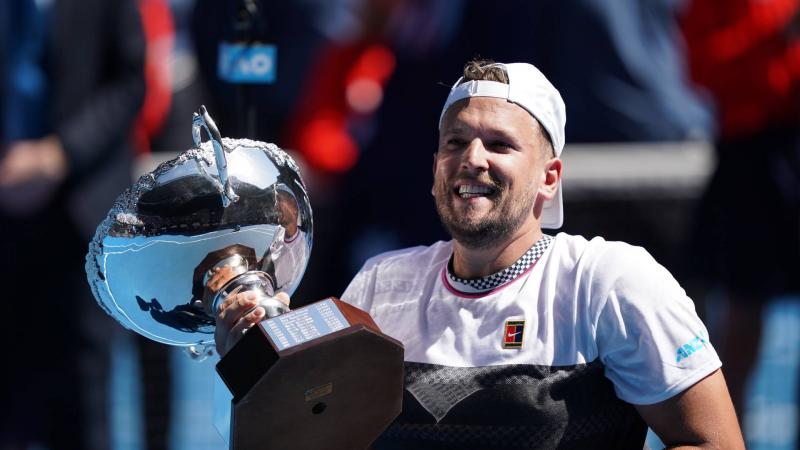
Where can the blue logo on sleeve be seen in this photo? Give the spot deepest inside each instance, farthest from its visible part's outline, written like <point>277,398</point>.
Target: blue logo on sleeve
<point>686,350</point>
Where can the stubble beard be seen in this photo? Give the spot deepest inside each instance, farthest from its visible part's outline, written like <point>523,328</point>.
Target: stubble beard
<point>485,230</point>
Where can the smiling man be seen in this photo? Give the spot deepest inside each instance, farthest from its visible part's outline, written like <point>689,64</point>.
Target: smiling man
<point>516,339</point>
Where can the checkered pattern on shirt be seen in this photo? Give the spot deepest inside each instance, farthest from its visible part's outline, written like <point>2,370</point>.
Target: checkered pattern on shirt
<point>509,273</point>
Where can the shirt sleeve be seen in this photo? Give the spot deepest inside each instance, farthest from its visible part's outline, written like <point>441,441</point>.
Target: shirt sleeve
<point>381,274</point>
<point>359,292</point>
<point>649,337</point>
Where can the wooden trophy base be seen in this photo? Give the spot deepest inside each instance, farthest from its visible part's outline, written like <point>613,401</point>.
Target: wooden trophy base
<point>319,377</point>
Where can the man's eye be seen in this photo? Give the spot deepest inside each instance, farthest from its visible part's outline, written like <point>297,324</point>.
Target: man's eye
<point>456,142</point>
<point>501,145</point>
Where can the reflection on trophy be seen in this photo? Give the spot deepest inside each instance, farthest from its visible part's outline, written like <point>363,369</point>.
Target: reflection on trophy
<point>232,216</point>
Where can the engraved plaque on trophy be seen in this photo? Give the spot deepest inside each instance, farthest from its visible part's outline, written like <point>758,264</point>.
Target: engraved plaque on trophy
<point>231,216</point>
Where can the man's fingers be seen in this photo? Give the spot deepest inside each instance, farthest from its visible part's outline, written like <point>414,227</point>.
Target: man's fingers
<point>240,304</point>
<point>229,299</point>
<point>283,297</point>
<point>226,303</point>
<point>236,314</point>
<point>244,324</point>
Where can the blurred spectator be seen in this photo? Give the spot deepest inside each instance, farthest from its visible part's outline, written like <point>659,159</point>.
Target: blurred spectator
<point>154,361</point>
<point>747,54</point>
<point>178,89</point>
<point>72,82</point>
<point>159,32</point>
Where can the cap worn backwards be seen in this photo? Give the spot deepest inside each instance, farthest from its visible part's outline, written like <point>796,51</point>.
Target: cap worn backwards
<point>528,88</point>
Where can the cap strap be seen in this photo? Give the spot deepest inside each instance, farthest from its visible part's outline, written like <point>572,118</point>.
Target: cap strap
<point>475,88</point>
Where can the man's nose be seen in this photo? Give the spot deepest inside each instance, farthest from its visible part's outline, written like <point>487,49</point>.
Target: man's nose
<point>475,156</point>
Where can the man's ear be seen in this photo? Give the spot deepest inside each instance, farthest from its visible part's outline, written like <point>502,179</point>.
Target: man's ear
<point>552,175</point>
<point>434,172</point>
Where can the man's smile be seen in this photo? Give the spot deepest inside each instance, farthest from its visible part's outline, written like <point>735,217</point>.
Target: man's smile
<point>467,189</point>
<point>471,190</point>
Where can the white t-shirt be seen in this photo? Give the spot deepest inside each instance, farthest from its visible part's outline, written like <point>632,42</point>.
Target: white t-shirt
<point>583,302</point>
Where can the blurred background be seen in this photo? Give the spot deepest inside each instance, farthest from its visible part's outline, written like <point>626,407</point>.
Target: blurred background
<point>682,137</point>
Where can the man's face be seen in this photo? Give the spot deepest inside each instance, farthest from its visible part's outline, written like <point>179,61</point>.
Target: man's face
<point>487,171</point>
<point>287,207</point>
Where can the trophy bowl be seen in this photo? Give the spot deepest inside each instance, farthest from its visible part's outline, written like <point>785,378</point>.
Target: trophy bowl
<point>232,214</point>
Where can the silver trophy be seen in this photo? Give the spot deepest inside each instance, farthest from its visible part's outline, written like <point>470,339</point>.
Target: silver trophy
<point>228,216</point>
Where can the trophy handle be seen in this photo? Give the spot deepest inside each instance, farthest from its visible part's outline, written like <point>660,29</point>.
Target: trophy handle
<point>202,120</point>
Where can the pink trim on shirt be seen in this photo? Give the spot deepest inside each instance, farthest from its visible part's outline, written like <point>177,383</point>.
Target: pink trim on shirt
<point>291,239</point>
<point>456,292</point>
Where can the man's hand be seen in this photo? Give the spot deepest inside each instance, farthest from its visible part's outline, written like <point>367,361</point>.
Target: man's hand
<point>30,172</point>
<point>237,314</point>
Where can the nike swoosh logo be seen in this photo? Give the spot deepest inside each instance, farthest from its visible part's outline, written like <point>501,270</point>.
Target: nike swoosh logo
<point>511,335</point>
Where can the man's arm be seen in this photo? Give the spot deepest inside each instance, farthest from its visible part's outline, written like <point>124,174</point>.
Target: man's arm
<point>702,416</point>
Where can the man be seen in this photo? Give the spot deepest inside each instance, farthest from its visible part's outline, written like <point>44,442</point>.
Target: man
<point>515,339</point>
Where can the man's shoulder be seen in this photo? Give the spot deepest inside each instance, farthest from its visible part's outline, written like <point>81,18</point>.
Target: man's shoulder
<point>418,256</point>
<point>597,254</point>
<point>581,247</point>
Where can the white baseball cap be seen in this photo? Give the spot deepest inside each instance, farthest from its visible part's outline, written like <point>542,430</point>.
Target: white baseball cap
<point>528,88</point>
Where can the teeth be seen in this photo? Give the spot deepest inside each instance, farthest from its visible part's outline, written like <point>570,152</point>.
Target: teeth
<point>473,189</point>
